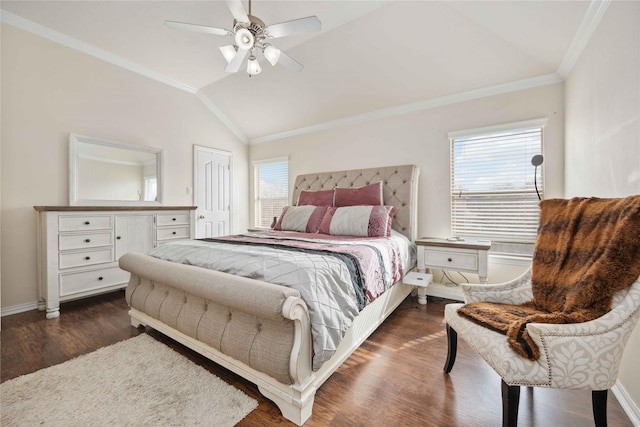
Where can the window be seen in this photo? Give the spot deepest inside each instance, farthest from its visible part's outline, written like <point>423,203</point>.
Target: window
<point>493,185</point>
<point>271,189</point>
<point>150,188</point>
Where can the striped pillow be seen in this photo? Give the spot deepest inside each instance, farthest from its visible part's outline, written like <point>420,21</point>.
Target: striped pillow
<point>363,221</point>
<point>305,219</point>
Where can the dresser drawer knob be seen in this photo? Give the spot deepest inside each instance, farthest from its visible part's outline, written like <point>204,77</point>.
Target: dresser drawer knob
<point>173,219</point>
<point>100,278</point>
<point>87,258</point>
<point>87,240</point>
<point>174,233</point>
<point>87,223</point>
<point>449,259</point>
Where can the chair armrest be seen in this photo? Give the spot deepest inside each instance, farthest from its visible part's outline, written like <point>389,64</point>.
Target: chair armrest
<point>516,291</point>
<point>589,353</point>
<point>625,312</point>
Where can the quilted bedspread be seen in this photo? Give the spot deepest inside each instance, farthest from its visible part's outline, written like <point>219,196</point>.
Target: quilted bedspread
<point>336,276</point>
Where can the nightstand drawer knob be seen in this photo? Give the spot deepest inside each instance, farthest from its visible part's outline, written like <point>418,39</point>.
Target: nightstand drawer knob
<point>449,259</point>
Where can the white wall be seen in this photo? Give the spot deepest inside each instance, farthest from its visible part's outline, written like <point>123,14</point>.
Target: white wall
<point>421,138</point>
<point>602,138</point>
<point>48,91</point>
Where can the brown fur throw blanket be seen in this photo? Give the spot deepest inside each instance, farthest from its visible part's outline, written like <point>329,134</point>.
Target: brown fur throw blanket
<point>587,249</point>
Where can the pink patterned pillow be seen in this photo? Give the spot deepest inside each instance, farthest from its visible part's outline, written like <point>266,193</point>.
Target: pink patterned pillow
<point>364,221</point>
<point>368,195</point>
<point>315,198</point>
<point>305,219</point>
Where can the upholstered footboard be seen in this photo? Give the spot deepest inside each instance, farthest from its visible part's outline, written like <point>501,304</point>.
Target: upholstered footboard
<point>259,330</point>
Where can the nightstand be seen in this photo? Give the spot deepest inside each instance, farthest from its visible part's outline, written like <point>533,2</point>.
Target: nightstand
<point>457,255</point>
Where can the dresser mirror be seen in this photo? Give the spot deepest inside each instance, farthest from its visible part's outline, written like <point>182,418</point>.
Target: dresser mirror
<point>108,173</point>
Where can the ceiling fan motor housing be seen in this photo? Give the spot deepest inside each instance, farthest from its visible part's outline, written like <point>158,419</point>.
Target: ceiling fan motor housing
<point>249,33</point>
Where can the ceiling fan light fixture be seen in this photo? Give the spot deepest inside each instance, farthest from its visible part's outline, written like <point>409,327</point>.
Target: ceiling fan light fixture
<point>253,67</point>
<point>229,52</point>
<point>272,54</point>
<point>244,39</point>
<point>249,34</point>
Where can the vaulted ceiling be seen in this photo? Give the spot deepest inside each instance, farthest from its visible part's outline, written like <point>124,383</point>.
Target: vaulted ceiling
<point>370,58</point>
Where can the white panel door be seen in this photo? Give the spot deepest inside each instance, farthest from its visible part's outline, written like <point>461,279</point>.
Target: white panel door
<point>212,182</point>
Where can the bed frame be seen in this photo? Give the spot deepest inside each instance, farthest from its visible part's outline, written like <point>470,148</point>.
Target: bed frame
<point>258,330</point>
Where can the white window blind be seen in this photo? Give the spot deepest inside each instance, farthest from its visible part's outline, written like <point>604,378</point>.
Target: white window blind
<point>493,194</point>
<point>271,189</point>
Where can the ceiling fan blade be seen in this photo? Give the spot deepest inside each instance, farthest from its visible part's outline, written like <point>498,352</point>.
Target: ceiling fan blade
<point>237,10</point>
<point>237,61</point>
<point>198,28</point>
<point>290,63</point>
<point>297,26</point>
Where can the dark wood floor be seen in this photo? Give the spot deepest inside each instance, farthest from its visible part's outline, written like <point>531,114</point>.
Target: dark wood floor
<point>394,378</point>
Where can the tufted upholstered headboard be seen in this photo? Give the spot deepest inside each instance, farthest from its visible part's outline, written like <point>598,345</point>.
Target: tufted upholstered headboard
<point>400,189</point>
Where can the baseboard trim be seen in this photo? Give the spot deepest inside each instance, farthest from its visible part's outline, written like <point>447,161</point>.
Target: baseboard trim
<point>19,308</point>
<point>628,405</point>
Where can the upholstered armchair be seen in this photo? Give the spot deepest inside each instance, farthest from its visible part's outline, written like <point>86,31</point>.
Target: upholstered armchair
<point>572,356</point>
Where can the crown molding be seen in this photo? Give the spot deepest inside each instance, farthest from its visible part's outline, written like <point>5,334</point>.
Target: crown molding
<point>543,80</point>
<point>222,116</point>
<point>73,43</point>
<point>587,27</point>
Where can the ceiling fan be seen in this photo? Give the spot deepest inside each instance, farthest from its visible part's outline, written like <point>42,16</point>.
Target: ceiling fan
<point>251,36</point>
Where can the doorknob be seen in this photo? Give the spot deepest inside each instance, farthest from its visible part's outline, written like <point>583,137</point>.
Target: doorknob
<point>201,217</point>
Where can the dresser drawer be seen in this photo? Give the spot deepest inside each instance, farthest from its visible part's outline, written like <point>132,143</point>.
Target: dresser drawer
<point>73,283</point>
<point>80,223</point>
<point>172,219</point>
<point>172,233</point>
<point>451,260</point>
<point>79,241</point>
<point>78,259</point>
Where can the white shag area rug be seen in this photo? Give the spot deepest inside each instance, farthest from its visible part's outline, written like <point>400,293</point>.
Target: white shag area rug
<point>136,382</point>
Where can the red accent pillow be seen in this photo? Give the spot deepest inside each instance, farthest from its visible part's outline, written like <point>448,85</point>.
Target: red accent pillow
<point>315,198</point>
<point>368,195</point>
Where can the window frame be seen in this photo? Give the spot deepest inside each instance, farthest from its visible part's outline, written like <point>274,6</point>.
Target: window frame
<point>500,245</point>
<point>258,221</point>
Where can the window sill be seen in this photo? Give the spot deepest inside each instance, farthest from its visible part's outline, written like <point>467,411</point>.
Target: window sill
<point>510,259</point>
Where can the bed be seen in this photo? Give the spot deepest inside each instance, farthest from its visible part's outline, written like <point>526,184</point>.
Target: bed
<point>263,331</point>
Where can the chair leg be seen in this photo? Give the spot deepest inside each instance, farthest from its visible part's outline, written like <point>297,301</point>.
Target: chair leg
<point>599,402</point>
<point>510,400</point>
<point>452,348</point>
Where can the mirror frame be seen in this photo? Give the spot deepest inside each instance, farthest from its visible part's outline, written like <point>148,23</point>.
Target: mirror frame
<point>75,140</point>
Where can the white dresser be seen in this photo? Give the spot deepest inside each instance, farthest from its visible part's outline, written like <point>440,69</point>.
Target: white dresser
<point>79,246</point>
